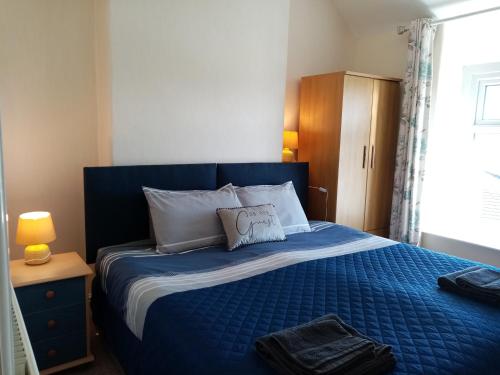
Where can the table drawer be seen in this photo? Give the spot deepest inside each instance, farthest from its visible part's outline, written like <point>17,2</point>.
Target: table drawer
<point>58,350</point>
<point>55,322</point>
<point>46,296</point>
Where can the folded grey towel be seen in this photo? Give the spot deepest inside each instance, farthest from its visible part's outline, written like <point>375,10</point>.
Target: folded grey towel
<point>484,281</point>
<point>475,282</point>
<point>324,346</point>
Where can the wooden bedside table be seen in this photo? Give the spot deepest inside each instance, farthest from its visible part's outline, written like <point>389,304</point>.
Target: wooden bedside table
<point>54,304</point>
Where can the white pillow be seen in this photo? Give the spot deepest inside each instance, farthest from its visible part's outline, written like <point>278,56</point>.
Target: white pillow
<point>186,220</point>
<point>285,201</point>
<point>249,225</point>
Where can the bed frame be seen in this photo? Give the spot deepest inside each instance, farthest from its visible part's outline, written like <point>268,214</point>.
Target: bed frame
<point>116,210</point>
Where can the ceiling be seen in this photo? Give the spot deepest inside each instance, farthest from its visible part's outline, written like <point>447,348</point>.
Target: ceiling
<point>366,16</point>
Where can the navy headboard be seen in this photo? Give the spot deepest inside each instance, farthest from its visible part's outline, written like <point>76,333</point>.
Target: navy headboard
<point>116,210</point>
<point>244,174</point>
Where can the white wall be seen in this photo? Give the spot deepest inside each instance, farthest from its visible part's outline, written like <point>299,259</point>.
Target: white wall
<point>318,42</point>
<point>197,81</point>
<point>377,48</point>
<point>382,52</point>
<point>48,110</point>
<point>103,82</point>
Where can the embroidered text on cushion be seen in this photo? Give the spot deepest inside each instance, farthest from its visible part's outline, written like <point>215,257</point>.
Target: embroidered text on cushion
<point>248,225</point>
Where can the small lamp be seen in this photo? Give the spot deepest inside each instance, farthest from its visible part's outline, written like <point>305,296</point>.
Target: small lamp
<point>35,230</point>
<point>290,142</point>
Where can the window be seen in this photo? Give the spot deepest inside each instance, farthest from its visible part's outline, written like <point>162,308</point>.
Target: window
<point>461,193</point>
<point>463,181</point>
<point>486,148</point>
<point>484,98</point>
<point>488,102</point>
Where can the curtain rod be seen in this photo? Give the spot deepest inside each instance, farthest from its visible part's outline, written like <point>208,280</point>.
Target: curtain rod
<point>404,29</point>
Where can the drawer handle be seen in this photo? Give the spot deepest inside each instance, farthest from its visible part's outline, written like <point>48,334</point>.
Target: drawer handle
<point>51,353</point>
<point>51,324</point>
<point>50,294</point>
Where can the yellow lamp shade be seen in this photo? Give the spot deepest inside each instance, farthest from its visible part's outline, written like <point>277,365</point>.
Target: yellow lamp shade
<point>35,228</point>
<point>290,140</point>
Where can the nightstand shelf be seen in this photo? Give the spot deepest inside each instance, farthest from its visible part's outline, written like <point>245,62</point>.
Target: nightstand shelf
<point>53,301</point>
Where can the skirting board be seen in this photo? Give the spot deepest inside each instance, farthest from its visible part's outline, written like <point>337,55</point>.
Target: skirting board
<point>68,365</point>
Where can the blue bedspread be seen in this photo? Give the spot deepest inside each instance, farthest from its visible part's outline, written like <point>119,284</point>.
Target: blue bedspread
<point>389,294</point>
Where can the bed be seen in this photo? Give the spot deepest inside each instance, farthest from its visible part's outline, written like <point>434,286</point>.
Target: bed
<point>200,312</point>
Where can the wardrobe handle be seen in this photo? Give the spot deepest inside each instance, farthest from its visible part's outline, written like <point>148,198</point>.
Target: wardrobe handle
<point>364,156</point>
<point>372,161</point>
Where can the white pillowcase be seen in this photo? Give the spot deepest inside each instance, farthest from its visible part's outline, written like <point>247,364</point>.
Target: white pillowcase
<point>186,220</point>
<point>285,201</point>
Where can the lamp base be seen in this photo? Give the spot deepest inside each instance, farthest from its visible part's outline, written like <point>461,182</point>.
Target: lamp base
<point>287,156</point>
<point>36,254</point>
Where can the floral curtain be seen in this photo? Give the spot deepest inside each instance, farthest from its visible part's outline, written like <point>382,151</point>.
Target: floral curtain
<point>412,139</point>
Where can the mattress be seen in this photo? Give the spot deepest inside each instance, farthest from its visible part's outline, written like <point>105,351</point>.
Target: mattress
<point>200,312</point>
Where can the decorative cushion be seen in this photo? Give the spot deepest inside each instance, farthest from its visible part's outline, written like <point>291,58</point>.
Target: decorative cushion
<point>248,225</point>
<point>186,220</point>
<point>285,201</point>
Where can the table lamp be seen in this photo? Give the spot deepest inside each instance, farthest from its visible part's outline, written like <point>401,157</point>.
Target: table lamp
<point>35,230</point>
<point>290,142</point>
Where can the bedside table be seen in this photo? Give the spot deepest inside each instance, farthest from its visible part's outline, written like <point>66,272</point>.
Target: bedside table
<point>54,304</point>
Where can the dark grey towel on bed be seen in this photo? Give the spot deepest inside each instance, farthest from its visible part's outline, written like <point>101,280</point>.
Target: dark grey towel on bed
<point>476,282</point>
<point>324,346</point>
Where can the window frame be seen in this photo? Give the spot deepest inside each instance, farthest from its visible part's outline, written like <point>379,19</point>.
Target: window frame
<point>482,85</point>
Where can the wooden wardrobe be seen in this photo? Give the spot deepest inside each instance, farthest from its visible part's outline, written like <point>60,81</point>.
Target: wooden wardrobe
<point>348,133</point>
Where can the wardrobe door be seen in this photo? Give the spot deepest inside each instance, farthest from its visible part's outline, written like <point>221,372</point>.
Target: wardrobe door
<point>354,143</point>
<point>319,138</point>
<point>382,152</point>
